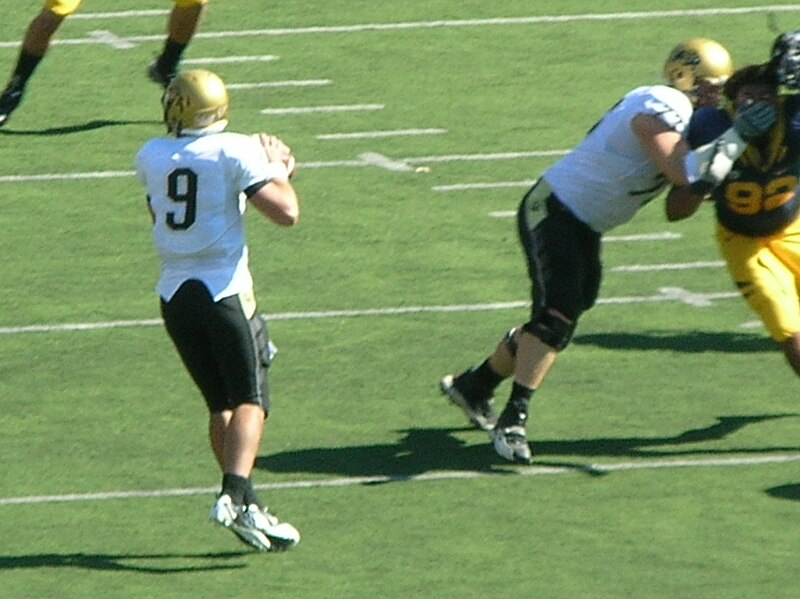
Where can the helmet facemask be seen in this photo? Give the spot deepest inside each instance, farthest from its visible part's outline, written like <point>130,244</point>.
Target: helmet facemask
<point>785,59</point>
<point>698,68</point>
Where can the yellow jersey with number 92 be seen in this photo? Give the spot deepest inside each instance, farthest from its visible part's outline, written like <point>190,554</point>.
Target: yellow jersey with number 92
<point>759,197</point>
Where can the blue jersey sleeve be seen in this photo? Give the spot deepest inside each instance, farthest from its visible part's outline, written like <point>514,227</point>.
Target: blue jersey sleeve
<point>707,124</point>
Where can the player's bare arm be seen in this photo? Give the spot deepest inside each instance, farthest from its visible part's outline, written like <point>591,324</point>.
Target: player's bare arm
<point>665,146</point>
<point>682,202</point>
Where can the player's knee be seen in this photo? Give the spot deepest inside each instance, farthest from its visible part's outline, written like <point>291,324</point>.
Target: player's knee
<point>551,328</point>
<point>221,404</point>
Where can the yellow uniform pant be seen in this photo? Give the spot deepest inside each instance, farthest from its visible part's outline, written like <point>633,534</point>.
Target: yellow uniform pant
<point>64,8</point>
<point>766,271</point>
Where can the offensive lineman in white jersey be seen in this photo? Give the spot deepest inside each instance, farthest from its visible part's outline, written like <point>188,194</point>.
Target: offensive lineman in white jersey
<point>199,179</point>
<point>626,159</point>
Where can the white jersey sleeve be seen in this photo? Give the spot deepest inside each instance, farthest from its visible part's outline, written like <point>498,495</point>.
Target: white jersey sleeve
<point>194,187</point>
<point>609,176</point>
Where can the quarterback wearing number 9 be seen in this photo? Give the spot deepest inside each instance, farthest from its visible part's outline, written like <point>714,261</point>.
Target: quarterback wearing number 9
<point>757,203</point>
<point>199,179</point>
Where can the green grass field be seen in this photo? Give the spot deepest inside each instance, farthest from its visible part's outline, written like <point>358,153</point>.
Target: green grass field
<point>666,439</point>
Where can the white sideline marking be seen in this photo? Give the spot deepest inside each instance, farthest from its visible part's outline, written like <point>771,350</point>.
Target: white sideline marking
<point>111,39</point>
<point>665,294</point>
<point>291,83</point>
<point>313,109</point>
<point>438,24</point>
<point>380,134</point>
<point>230,59</point>
<point>426,476</point>
<point>660,267</point>
<point>381,161</point>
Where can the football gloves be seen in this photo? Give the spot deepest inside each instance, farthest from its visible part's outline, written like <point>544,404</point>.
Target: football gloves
<point>754,120</point>
<point>707,166</point>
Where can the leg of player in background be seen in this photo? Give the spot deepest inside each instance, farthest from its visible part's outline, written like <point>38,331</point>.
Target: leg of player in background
<point>181,27</point>
<point>34,48</point>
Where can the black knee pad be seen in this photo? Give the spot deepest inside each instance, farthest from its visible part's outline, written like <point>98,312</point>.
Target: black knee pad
<point>551,329</point>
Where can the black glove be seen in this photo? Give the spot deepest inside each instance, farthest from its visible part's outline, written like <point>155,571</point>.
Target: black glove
<point>754,120</point>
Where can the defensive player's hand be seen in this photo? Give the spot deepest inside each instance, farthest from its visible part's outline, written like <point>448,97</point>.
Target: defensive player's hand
<point>754,120</point>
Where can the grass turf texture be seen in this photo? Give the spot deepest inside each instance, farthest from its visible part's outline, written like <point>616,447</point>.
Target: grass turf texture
<point>104,411</point>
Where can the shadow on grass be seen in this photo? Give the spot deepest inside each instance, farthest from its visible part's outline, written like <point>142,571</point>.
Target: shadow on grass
<point>791,492</point>
<point>690,343</point>
<point>424,450</point>
<point>79,128</point>
<point>121,562</point>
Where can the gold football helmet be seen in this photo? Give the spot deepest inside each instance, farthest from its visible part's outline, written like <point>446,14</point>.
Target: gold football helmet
<point>196,100</point>
<point>695,60</point>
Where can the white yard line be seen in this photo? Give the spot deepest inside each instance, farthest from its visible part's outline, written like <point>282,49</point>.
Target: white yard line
<point>124,14</point>
<point>304,165</point>
<point>665,294</point>
<point>662,267</point>
<point>230,59</point>
<point>349,481</point>
<point>288,83</point>
<point>316,109</point>
<point>384,162</point>
<point>419,25</point>
<point>381,134</point>
<point>664,236</point>
<point>111,39</point>
<point>494,185</point>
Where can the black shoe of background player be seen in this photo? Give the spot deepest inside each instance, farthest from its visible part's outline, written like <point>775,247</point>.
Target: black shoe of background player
<point>10,99</point>
<point>157,76</point>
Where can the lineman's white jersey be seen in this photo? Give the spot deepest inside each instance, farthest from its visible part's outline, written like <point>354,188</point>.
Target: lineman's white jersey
<point>195,187</point>
<point>608,176</point>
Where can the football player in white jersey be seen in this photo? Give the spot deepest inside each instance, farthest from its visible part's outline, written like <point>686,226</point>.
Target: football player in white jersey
<point>626,159</point>
<point>199,179</point>
<point>181,26</point>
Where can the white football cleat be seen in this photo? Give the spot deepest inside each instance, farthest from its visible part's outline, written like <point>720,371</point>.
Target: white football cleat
<point>254,526</point>
<point>511,443</point>
<point>240,522</point>
<point>223,512</point>
<point>281,535</point>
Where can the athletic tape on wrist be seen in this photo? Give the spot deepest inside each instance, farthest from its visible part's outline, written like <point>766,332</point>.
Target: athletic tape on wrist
<point>714,160</point>
<point>277,171</point>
